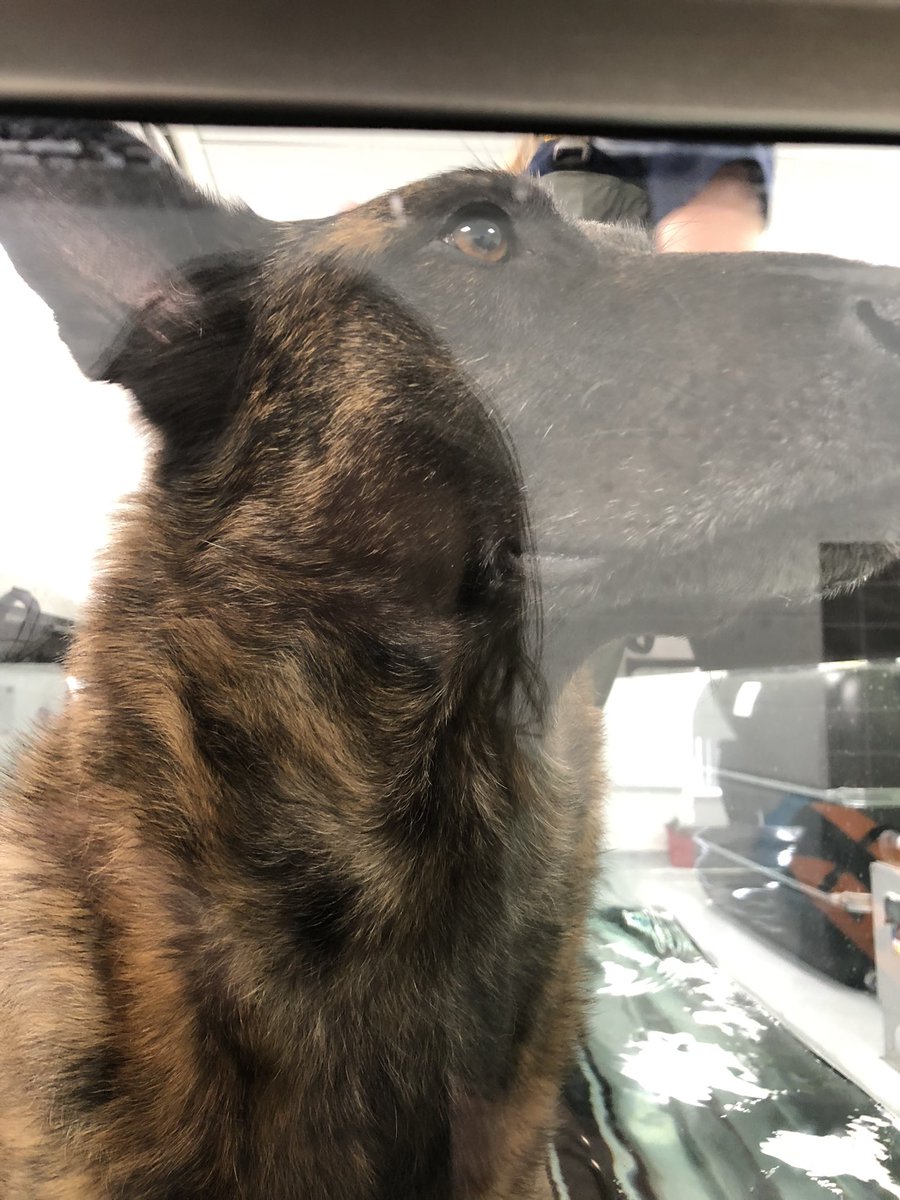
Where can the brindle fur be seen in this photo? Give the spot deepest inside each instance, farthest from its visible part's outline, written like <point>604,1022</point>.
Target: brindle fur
<point>292,892</point>
<point>288,911</point>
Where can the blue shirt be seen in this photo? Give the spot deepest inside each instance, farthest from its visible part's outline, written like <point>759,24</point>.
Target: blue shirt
<point>671,173</point>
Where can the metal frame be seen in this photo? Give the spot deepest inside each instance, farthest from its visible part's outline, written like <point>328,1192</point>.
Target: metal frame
<point>770,68</point>
<point>885,888</point>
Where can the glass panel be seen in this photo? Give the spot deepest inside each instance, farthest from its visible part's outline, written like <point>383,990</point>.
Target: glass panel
<point>370,496</point>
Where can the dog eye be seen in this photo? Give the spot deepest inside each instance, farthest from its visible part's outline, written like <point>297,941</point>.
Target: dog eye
<point>483,236</point>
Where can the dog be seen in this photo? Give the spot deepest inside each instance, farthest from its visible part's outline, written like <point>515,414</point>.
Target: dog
<point>293,890</point>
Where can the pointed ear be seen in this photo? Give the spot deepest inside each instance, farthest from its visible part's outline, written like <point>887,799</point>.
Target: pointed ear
<point>125,251</point>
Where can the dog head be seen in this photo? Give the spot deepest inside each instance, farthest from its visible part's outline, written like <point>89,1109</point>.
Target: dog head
<point>685,432</point>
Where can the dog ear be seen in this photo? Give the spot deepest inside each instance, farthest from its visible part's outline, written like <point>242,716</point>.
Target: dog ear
<point>130,257</point>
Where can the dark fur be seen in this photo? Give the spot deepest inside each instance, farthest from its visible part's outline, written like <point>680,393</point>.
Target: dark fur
<point>292,893</point>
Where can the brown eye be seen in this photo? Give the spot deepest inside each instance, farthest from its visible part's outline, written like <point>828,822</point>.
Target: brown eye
<point>484,237</point>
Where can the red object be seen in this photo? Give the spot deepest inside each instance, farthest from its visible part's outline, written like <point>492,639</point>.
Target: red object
<point>681,845</point>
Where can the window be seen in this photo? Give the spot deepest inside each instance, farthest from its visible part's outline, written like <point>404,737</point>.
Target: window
<point>683,464</point>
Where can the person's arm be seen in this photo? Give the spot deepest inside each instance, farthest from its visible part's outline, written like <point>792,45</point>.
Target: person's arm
<point>727,215</point>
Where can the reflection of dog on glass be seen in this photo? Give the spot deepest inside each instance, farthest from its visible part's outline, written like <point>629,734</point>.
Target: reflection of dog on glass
<point>293,890</point>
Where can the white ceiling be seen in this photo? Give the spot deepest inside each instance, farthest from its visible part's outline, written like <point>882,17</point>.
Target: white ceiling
<point>299,173</point>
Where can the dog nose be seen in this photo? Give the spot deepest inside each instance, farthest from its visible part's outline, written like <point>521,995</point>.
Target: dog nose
<point>866,291</point>
<point>882,320</point>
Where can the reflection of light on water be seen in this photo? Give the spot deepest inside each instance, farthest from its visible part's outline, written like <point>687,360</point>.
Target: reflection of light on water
<point>675,1066</point>
<point>624,949</point>
<point>625,981</point>
<point>722,1007</point>
<point>731,1020</point>
<point>858,1153</point>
